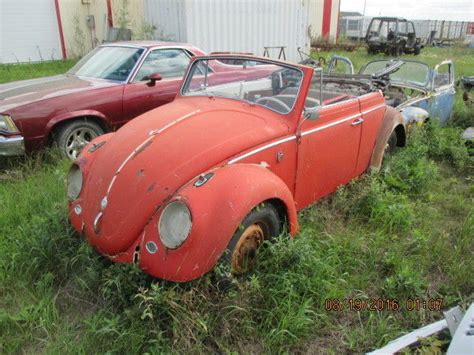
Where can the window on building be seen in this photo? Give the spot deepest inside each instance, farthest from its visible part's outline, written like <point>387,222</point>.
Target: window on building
<point>353,25</point>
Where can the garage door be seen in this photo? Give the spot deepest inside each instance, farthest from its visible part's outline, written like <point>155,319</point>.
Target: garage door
<point>28,31</point>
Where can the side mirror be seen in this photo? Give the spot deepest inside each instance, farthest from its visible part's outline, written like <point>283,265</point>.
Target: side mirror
<point>311,113</point>
<point>153,78</point>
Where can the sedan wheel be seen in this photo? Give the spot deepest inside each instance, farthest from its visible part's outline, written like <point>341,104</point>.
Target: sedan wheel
<point>73,137</point>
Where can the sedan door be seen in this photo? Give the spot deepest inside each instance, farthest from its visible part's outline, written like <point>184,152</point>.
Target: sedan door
<point>442,100</point>
<point>141,94</point>
<point>328,145</point>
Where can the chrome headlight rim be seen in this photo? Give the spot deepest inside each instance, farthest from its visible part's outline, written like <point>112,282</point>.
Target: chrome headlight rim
<point>75,182</point>
<point>175,224</point>
<point>7,125</point>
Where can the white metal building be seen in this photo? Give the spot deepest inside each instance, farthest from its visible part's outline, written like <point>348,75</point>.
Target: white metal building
<point>28,31</point>
<point>244,26</point>
<point>37,30</point>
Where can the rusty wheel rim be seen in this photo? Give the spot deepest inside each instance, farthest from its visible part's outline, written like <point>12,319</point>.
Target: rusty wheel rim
<point>245,252</point>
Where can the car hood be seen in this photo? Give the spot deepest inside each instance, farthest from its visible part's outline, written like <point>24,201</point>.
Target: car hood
<point>19,93</point>
<point>144,163</point>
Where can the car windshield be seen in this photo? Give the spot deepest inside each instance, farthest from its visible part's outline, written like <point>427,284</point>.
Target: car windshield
<point>410,72</point>
<point>274,86</point>
<point>110,63</point>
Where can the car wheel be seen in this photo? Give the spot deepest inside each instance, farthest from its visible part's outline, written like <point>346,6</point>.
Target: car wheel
<point>397,51</point>
<point>262,223</point>
<point>391,144</point>
<point>72,137</point>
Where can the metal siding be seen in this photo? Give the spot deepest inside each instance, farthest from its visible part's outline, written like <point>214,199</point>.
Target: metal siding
<point>240,26</point>
<point>28,31</point>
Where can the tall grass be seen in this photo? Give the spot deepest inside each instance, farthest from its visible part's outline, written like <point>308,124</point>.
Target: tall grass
<point>403,233</point>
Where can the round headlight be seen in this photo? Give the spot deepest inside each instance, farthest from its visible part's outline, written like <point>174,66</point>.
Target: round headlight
<point>74,182</point>
<point>174,224</point>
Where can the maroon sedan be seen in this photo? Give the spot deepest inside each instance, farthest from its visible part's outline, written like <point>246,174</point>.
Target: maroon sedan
<point>111,85</point>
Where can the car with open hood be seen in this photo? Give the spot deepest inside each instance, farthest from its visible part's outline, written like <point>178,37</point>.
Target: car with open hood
<point>412,87</point>
<point>107,88</point>
<point>226,166</point>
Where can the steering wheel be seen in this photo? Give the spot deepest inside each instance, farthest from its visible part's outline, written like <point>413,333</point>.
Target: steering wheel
<point>272,99</point>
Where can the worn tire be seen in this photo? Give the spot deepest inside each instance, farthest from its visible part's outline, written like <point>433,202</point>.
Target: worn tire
<point>397,51</point>
<point>71,137</point>
<point>262,223</point>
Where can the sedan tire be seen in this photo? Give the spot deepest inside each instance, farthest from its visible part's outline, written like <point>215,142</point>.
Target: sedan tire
<point>72,137</point>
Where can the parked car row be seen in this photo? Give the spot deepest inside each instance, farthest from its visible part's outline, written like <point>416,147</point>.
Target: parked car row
<point>216,161</point>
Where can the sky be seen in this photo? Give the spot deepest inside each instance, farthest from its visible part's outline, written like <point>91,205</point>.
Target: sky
<point>454,10</point>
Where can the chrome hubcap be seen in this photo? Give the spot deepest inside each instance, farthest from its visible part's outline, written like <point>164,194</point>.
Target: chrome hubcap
<point>77,140</point>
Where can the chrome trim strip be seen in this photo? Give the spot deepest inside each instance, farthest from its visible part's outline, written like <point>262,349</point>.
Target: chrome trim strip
<point>340,103</point>
<point>320,128</point>
<point>290,138</point>
<point>373,109</point>
<point>147,141</point>
<point>258,150</point>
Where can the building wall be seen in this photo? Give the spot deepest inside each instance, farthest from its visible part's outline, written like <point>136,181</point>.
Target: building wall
<point>130,14</point>
<point>28,31</point>
<point>242,26</point>
<point>80,39</point>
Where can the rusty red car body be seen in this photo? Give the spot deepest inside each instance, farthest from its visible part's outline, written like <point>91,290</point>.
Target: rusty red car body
<point>222,157</point>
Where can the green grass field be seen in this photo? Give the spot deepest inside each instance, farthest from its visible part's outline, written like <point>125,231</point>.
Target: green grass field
<point>405,233</point>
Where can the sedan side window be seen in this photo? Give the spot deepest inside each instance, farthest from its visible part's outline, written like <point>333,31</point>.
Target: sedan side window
<point>169,63</point>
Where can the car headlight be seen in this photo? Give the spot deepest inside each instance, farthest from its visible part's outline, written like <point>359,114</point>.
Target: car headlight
<point>174,224</point>
<point>7,124</point>
<point>74,182</point>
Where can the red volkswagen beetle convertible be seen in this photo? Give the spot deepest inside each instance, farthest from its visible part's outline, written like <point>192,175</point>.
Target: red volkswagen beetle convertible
<point>225,166</point>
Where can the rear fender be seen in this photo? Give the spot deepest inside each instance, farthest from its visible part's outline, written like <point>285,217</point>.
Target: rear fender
<point>217,208</point>
<point>392,120</point>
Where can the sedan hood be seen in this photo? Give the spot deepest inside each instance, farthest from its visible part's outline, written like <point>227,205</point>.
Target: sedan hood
<point>143,164</point>
<point>25,92</point>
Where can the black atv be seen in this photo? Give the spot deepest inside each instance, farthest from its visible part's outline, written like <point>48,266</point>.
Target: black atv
<point>392,35</point>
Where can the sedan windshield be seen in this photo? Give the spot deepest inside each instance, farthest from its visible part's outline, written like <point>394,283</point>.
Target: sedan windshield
<point>110,63</point>
<point>260,82</point>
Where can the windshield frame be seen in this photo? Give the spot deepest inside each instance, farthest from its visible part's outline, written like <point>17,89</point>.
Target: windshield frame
<point>132,72</point>
<point>424,86</point>
<point>264,61</point>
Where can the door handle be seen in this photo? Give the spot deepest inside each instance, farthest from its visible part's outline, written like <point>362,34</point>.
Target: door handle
<point>357,122</point>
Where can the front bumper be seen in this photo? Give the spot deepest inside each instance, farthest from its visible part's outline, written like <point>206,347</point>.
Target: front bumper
<point>10,146</point>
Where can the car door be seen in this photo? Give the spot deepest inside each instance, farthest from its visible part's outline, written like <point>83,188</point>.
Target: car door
<point>328,145</point>
<point>443,91</point>
<point>141,95</point>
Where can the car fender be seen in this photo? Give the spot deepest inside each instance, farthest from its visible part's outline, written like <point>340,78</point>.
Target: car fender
<point>414,115</point>
<point>392,120</point>
<point>84,161</point>
<point>217,208</point>
<point>77,114</point>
